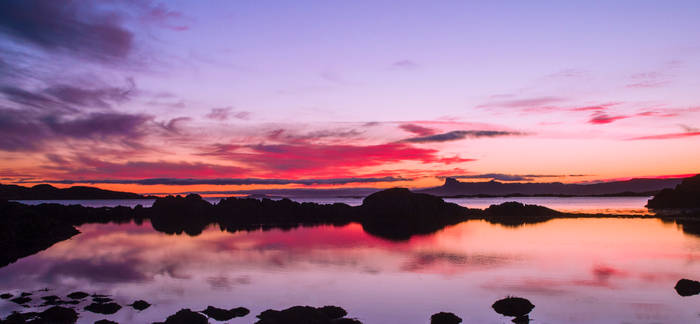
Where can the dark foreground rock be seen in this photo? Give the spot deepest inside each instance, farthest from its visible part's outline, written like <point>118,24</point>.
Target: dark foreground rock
<point>685,195</point>
<point>445,318</point>
<point>185,316</point>
<point>140,305</point>
<point>306,315</point>
<point>6,296</point>
<point>53,315</point>
<point>103,308</point>
<point>514,306</point>
<point>77,295</point>
<point>687,287</point>
<point>221,314</point>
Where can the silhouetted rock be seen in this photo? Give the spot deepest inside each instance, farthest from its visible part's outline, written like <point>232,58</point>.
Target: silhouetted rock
<point>177,214</point>
<point>186,316</point>
<point>399,213</point>
<point>21,300</point>
<point>49,192</point>
<point>77,295</point>
<point>685,195</point>
<point>445,318</point>
<point>101,300</point>
<point>514,214</point>
<point>687,287</point>
<point>6,296</point>
<point>305,315</point>
<point>103,308</point>
<point>513,306</point>
<point>104,321</point>
<point>220,314</point>
<point>140,305</point>
<point>59,315</point>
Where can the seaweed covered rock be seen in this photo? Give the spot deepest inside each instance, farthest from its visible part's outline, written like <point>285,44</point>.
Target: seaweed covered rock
<point>687,287</point>
<point>140,305</point>
<point>186,316</point>
<point>399,213</point>
<point>306,315</point>
<point>685,195</point>
<point>103,308</point>
<point>445,318</point>
<point>221,314</point>
<point>513,306</point>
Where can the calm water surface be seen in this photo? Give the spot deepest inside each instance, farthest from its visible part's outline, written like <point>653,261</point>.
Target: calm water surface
<point>573,270</point>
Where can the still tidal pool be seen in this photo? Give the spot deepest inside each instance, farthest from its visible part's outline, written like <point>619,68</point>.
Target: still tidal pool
<point>605,270</point>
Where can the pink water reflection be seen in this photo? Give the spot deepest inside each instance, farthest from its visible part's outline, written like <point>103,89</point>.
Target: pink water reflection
<point>573,270</point>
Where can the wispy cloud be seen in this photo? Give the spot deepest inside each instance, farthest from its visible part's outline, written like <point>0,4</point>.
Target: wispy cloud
<point>512,177</point>
<point>461,134</point>
<point>227,181</point>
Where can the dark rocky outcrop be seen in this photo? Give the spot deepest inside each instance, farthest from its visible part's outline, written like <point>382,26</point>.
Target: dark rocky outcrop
<point>445,318</point>
<point>140,305</point>
<point>515,214</point>
<point>53,315</point>
<point>306,315</point>
<point>685,195</point>
<point>399,213</point>
<point>687,287</point>
<point>221,314</point>
<point>77,295</point>
<point>103,308</point>
<point>185,316</point>
<point>514,306</point>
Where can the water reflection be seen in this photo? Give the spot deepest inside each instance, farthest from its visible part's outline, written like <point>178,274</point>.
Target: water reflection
<point>574,270</point>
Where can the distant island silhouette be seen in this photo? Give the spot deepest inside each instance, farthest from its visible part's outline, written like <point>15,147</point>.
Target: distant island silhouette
<point>49,192</point>
<point>634,187</point>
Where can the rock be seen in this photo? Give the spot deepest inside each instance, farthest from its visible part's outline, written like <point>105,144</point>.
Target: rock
<point>103,308</point>
<point>445,318</point>
<point>6,296</point>
<point>305,315</point>
<point>77,295</point>
<point>20,300</point>
<point>25,294</point>
<point>140,305</point>
<point>513,213</point>
<point>333,312</point>
<point>687,287</point>
<point>398,214</point>
<point>186,316</point>
<point>525,319</point>
<point>101,300</point>
<point>104,321</point>
<point>685,195</point>
<point>513,306</point>
<point>59,315</point>
<point>220,314</point>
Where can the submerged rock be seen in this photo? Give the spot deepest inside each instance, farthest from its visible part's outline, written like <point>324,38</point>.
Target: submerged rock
<point>101,300</point>
<point>104,321</point>
<point>513,306</point>
<point>186,316</point>
<point>77,295</point>
<point>445,318</point>
<point>21,300</point>
<point>220,314</point>
<point>103,308</point>
<point>6,296</point>
<point>687,287</point>
<point>306,315</point>
<point>59,315</point>
<point>140,305</point>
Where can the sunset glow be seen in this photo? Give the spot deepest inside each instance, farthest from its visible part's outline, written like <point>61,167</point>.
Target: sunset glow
<point>181,96</point>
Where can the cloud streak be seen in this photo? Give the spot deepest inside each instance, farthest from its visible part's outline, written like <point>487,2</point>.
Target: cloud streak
<point>459,135</point>
<point>228,181</point>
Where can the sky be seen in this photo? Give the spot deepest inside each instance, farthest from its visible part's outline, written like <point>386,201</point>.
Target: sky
<point>151,96</point>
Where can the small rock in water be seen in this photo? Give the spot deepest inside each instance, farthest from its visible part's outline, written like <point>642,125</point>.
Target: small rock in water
<point>59,315</point>
<point>103,308</point>
<point>6,296</point>
<point>445,318</point>
<point>101,300</point>
<point>140,305</point>
<point>220,314</point>
<point>687,287</point>
<point>20,300</point>
<point>186,316</point>
<point>513,306</point>
<point>104,321</point>
<point>25,294</point>
<point>305,314</point>
<point>78,295</point>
